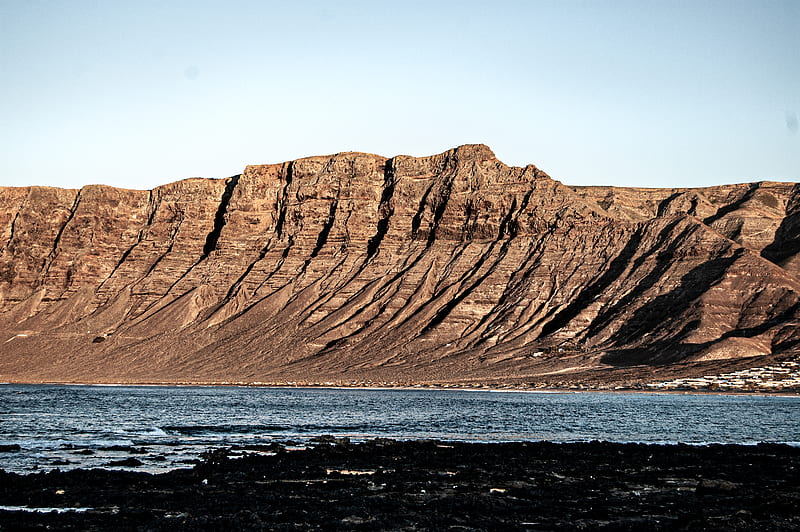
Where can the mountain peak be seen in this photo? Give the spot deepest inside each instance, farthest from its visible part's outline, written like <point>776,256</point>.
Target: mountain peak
<point>477,151</point>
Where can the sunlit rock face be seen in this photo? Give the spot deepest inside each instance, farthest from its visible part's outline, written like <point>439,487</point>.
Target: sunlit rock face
<point>356,268</point>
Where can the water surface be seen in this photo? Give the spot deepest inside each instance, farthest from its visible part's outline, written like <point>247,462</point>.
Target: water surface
<point>166,426</point>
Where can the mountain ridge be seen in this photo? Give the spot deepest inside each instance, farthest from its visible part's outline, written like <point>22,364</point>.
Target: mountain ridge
<point>354,267</point>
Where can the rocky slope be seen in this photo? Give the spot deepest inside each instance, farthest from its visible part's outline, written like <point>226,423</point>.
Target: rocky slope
<point>355,268</point>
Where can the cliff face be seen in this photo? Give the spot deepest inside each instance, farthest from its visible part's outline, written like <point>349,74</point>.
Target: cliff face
<point>358,268</point>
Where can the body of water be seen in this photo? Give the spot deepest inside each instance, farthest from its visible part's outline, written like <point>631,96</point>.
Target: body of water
<point>165,427</point>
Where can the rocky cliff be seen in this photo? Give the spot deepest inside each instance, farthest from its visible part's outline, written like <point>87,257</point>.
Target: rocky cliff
<point>355,268</point>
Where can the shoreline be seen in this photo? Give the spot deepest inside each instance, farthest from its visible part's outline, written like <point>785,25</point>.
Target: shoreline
<point>427,485</point>
<point>442,387</point>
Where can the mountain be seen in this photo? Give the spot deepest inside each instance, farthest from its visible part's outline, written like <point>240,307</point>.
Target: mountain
<point>356,268</point>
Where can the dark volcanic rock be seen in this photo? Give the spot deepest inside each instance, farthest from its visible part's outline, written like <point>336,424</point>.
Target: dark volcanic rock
<point>428,485</point>
<point>127,462</point>
<point>358,268</point>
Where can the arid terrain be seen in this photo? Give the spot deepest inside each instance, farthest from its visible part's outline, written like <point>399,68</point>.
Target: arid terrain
<point>357,269</point>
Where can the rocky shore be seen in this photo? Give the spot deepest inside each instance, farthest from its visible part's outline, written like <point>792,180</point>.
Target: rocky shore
<point>426,485</point>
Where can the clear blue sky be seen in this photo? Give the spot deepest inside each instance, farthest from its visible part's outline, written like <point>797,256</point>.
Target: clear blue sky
<point>141,93</point>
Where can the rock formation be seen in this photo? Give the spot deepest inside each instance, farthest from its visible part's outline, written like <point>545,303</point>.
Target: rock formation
<point>355,268</point>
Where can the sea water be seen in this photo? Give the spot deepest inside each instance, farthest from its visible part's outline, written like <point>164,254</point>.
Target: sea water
<point>165,427</point>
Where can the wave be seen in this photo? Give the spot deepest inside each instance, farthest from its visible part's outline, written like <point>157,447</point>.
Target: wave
<point>154,431</point>
<point>193,430</point>
<point>65,444</point>
<point>322,429</point>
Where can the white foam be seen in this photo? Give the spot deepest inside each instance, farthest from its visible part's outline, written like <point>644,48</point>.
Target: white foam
<point>105,443</point>
<point>42,510</point>
<point>154,432</point>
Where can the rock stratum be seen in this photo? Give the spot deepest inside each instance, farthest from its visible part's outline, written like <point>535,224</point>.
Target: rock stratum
<point>360,269</point>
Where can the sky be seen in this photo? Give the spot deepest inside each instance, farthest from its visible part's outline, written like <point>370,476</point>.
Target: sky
<point>639,93</point>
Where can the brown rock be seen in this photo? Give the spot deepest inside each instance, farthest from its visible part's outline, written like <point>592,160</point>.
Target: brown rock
<point>357,268</point>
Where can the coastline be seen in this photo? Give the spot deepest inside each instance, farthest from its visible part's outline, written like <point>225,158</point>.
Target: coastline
<point>427,386</point>
<point>428,485</point>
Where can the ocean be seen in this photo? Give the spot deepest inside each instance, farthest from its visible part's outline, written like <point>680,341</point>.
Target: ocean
<point>44,427</point>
